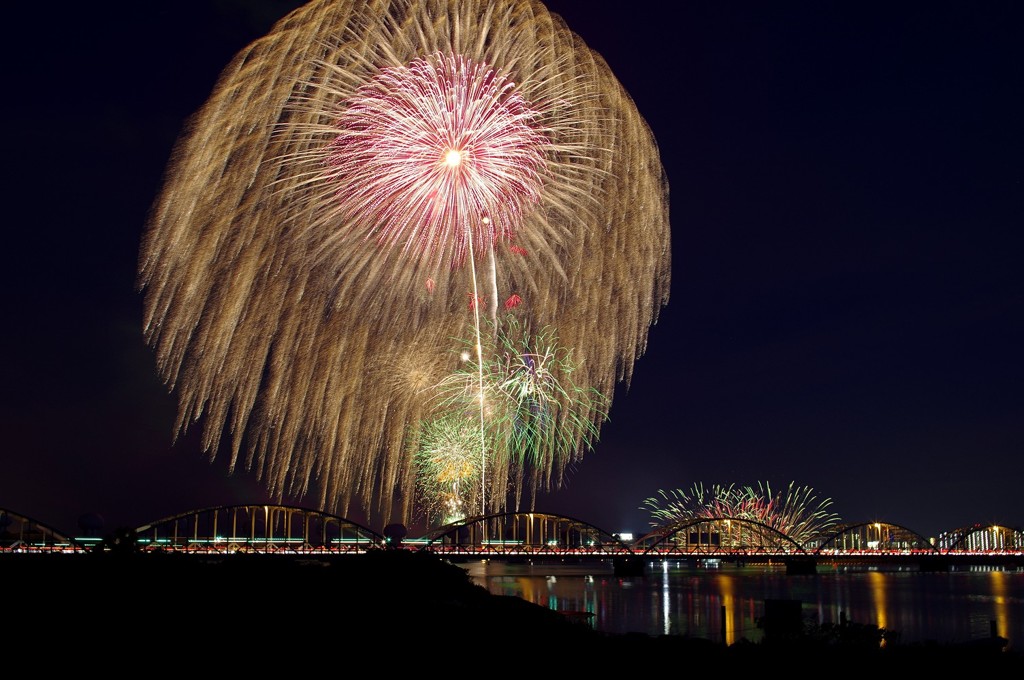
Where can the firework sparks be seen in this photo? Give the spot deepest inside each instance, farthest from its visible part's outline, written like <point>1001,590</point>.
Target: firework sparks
<point>434,156</point>
<point>448,470</point>
<point>320,210</point>
<point>537,420</point>
<point>796,512</point>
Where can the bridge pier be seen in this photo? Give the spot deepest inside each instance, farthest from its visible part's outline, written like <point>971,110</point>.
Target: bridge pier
<point>628,566</point>
<point>933,563</point>
<point>797,566</point>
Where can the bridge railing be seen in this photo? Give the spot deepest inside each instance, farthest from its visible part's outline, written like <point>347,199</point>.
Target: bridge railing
<point>296,530</point>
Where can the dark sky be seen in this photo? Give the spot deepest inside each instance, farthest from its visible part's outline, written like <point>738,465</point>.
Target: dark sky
<point>847,307</point>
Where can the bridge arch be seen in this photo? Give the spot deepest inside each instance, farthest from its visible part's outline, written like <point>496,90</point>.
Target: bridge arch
<point>523,533</point>
<point>20,532</point>
<point>257,528</point>
<point>717,535</point>
<point>982,537</point>
<point>875,537</point>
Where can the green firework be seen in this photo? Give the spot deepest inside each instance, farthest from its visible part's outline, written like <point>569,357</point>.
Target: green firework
<point>448,467</point>
<point>537,421</point>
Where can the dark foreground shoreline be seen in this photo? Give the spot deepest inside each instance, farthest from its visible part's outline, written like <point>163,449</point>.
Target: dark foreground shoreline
<point>267,612</point>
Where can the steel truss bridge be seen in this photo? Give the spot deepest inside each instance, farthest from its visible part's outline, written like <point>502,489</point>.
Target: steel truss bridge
<point>291,530</point>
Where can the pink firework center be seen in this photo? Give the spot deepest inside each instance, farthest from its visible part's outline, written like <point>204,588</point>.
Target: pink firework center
<point>441,157</point>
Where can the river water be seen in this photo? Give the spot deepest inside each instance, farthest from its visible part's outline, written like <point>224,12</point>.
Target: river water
<point>724,602</point>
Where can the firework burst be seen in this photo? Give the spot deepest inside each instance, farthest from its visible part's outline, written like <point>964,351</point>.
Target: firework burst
<point>795,512</point>
<point>355,176</point>
<point>537,420</point>
<point>448,468</point>
<point>434,158</point>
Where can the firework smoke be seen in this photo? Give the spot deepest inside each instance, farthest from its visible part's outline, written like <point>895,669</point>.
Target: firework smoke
<point>364,181</point>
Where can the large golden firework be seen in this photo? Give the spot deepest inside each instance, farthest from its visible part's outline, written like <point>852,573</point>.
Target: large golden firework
<point>362,182</point>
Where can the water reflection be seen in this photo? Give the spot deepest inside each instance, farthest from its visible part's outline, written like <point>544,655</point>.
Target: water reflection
<point>877,585</point>
<point>728,608</point>
<point>666,601</point>
<point>1001,582</point>
<point>726,602</point>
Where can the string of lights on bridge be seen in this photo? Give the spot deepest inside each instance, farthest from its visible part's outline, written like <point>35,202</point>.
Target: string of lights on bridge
<point>285,529</point>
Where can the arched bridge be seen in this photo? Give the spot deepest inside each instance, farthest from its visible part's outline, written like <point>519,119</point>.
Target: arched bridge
<point>522,533</point>
<point>22,532</point>
<point>257,528</point>
<point>292,530</point>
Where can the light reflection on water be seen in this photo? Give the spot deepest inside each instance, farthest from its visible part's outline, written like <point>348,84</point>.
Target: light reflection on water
<point>725,602</point>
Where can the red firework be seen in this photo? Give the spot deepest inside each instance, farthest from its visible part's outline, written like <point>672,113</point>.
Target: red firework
<point>441,154</point>
<point>476,302</point>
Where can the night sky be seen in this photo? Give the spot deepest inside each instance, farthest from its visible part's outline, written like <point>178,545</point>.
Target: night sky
<point>847,307</point>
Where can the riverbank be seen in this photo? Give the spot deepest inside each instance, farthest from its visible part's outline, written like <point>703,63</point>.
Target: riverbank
<point>269,611</point>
